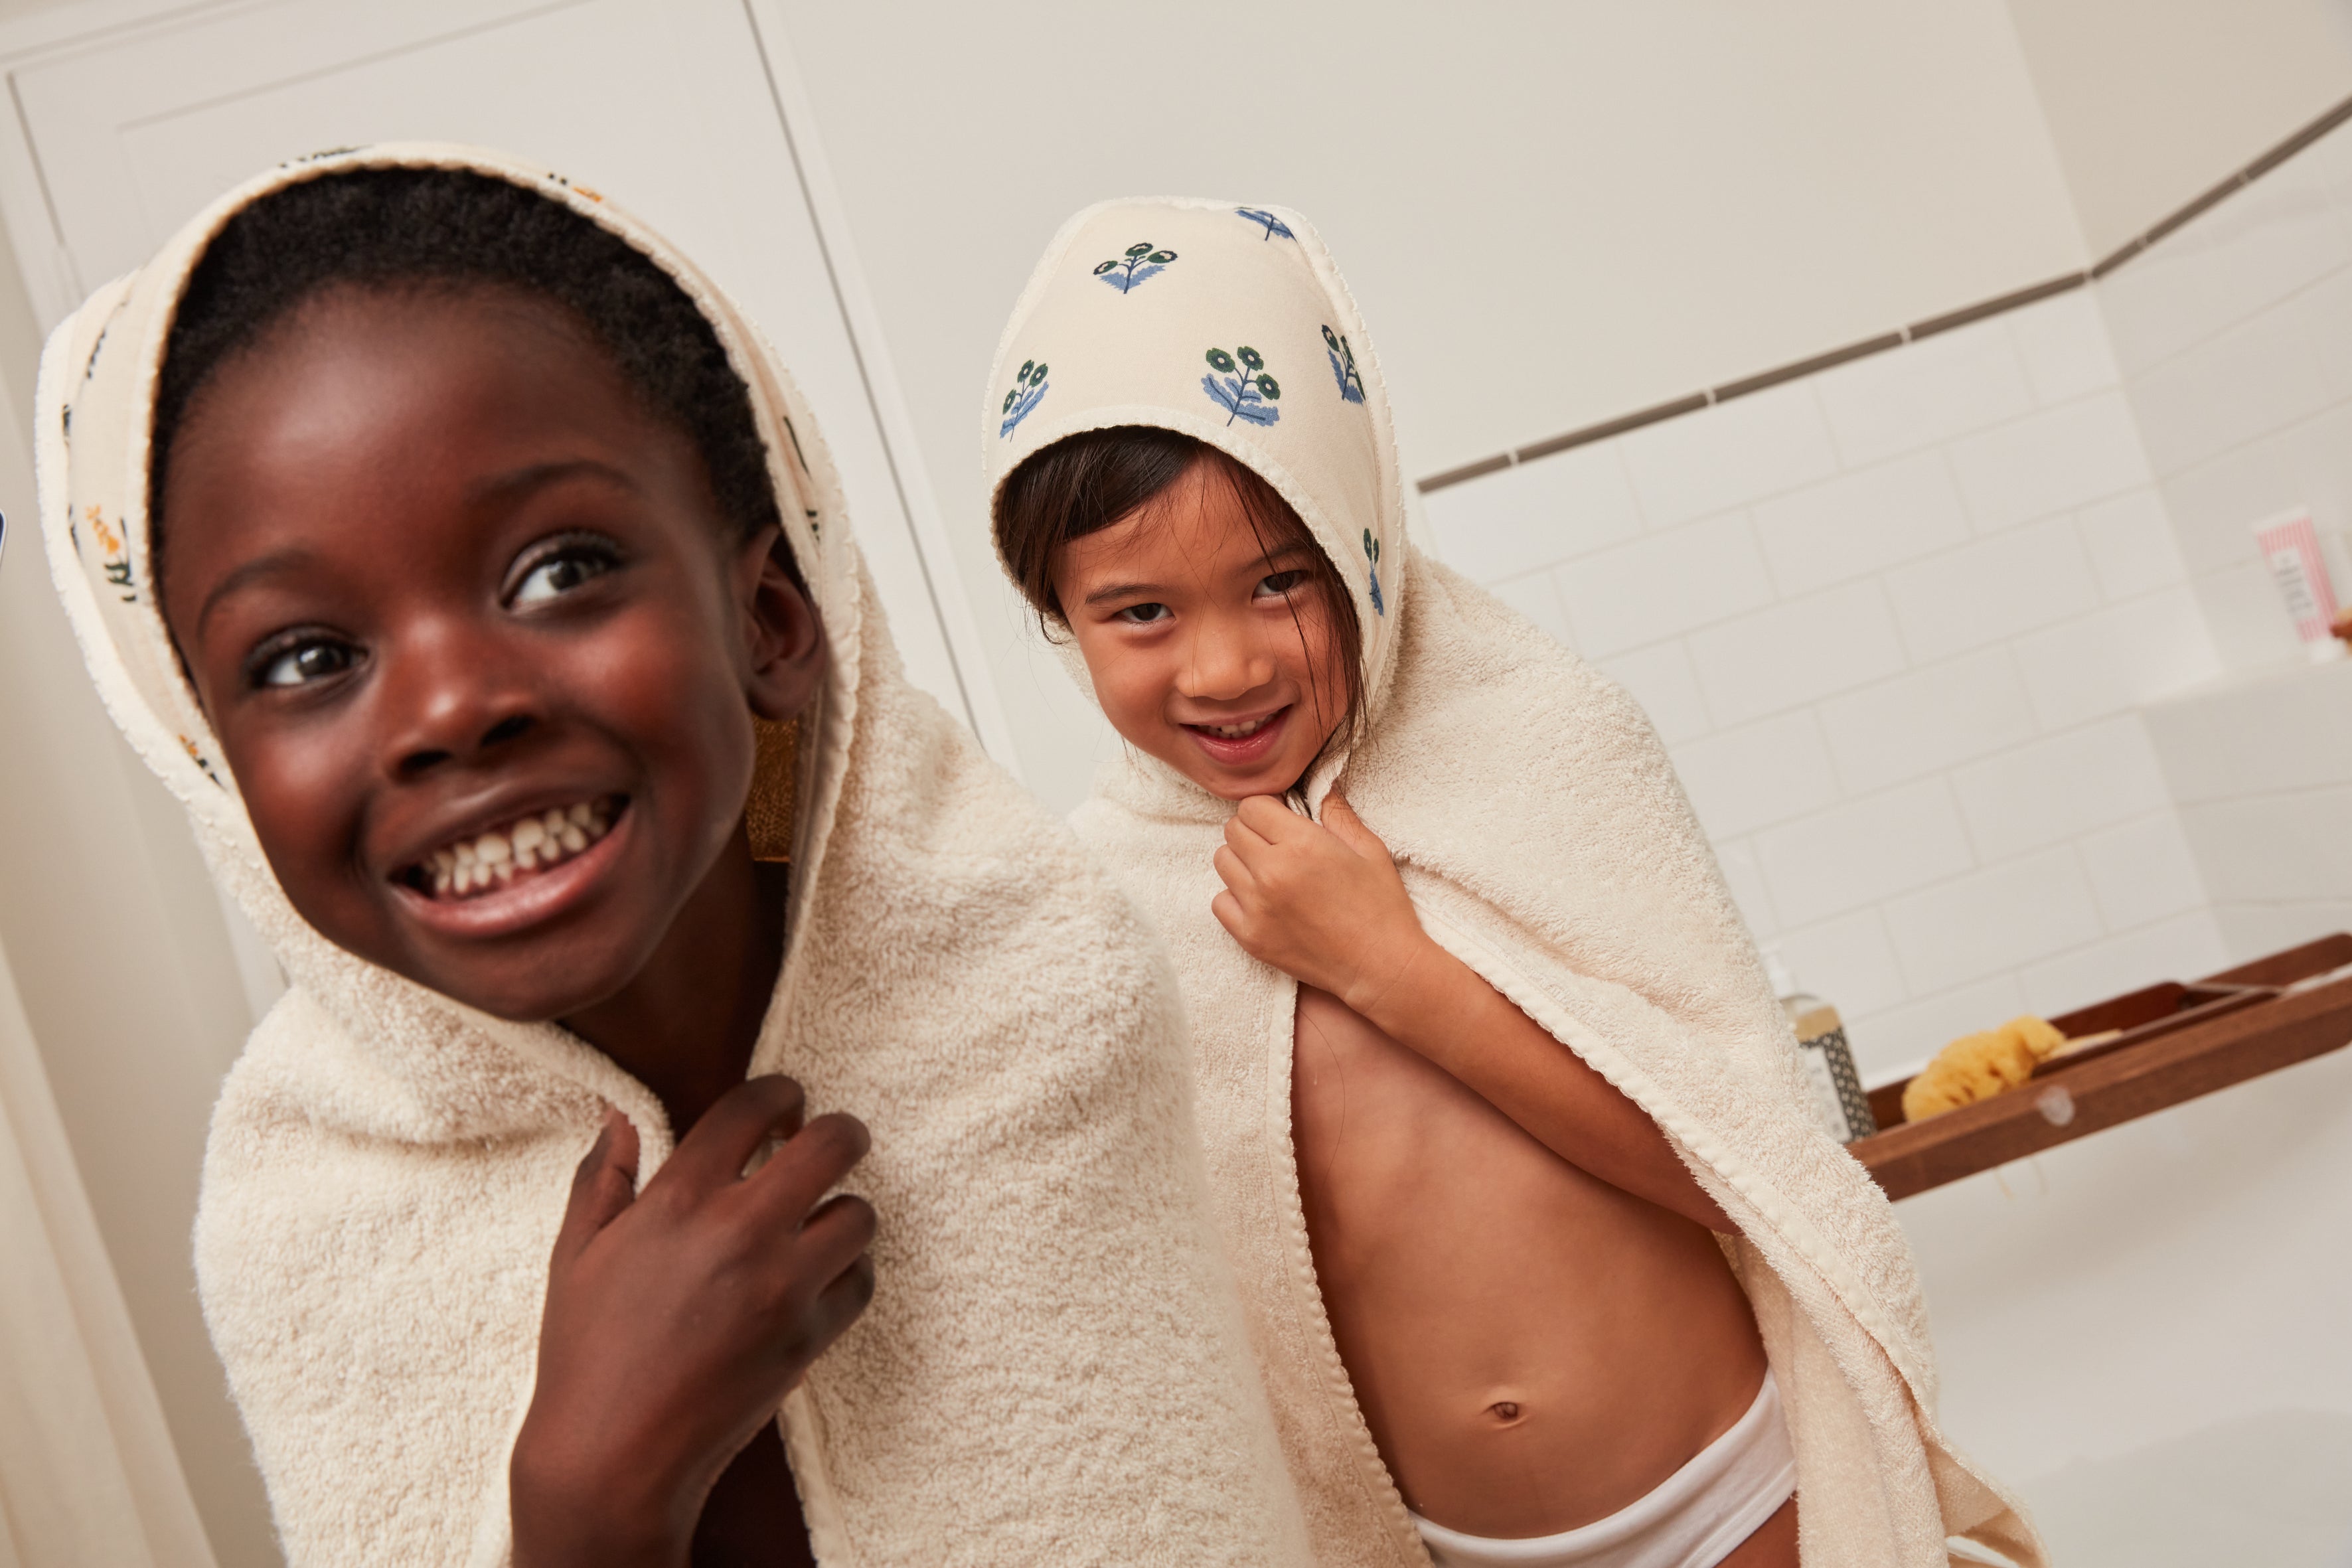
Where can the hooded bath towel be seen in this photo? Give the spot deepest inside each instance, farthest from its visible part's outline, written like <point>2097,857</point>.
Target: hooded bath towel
<point>1545,841</point>
<point>1054,1369</point>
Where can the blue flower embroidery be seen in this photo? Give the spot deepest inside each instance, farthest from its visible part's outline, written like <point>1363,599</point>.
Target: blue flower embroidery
<point>1274,224</point>
<point>1027,388</point>
<point>1248,393</point>
<point>1343,365</point>
<point>1372,553</point>
<point>1141,263</point>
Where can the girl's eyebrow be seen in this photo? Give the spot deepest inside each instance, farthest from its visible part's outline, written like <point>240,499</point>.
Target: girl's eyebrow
<point>516,483</point>
<point>1121,590</point>
<point>507,487</point>
<point>260,567</point>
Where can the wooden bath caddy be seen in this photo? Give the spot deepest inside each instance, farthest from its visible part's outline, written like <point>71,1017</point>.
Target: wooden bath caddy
<point>2175,1042</point>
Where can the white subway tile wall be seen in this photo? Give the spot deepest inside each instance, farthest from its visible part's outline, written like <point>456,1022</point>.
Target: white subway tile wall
<point>2020,580</point>
<point>1941,388</point>
<point>2116,658</point>
<point>2062,787</point>
<point>2235,336</point>
<point>2261,766</point>
<point>1894,621</point>
<point>1928,719</point>
<point>1913,627</point>
<point>1864,852</point>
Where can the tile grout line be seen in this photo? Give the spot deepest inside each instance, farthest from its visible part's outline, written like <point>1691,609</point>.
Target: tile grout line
<point>1711,397</point>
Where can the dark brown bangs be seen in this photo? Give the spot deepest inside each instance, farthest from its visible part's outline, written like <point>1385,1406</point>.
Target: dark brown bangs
<point>1085,483</point>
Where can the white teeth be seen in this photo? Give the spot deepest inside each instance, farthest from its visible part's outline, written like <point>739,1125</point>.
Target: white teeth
<point>530,844</point>
<point>1235,732</point>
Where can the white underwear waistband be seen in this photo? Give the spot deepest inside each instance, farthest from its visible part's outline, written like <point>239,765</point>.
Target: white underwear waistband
<point>1692,1519</point>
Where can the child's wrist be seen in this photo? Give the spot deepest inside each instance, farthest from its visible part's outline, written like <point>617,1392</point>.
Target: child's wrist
<point>1384,987</point>
<point>564,1515</point>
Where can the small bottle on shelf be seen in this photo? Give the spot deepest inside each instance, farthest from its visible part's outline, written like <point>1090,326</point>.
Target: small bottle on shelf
<point>1838,1097</point>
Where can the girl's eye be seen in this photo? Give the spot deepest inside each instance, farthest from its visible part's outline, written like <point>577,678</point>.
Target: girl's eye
<point>553,576</point>
<point>306,662</point>
<point>1279,583</point>
<point>1142,615</point>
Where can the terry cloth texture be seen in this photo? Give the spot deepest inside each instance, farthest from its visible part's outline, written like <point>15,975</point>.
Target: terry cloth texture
<point>1545,841</point>
<point>1054,1368</point>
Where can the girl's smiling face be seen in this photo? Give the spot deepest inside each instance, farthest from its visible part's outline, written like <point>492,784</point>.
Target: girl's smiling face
<point>480,651</point>
<point>1206,650</point>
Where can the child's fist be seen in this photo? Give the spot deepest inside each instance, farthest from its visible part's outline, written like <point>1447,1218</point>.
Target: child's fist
<point>679,1318</point>
<point>1322,903</point>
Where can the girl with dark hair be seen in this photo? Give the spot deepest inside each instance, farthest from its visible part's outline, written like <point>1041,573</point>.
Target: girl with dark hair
<point>1545,1260</point>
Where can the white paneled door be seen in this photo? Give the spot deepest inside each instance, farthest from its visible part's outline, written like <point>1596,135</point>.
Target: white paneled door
<point>131,116</point>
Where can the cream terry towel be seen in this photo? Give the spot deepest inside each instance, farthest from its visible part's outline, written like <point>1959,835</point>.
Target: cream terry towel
<point>1054,1368</point>
<point>1546,842</point>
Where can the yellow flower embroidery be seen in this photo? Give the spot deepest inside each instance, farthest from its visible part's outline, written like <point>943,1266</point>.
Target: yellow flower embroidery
<point>118,559</point>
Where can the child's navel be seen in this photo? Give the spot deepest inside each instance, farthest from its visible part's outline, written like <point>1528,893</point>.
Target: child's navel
<point>1505,1412</point>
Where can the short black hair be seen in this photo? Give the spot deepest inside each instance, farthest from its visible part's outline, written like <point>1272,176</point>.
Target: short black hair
<point>393,228</point>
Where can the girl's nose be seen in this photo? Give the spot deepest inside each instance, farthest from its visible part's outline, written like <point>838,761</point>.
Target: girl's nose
<point>449,695</point>
<point>1223,663</point>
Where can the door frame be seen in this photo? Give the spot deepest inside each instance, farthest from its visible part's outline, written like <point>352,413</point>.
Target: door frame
<point>54,289</point>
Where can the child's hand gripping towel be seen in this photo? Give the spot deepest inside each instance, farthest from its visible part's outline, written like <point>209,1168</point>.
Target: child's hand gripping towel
<point>1538,828</point>
<point>1052,1369</point>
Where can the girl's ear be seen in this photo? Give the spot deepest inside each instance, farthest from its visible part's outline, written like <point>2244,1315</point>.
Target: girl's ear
<point>784,641</point>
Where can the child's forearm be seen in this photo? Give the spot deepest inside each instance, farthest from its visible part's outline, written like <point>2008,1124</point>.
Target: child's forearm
<point>1439,1006</point>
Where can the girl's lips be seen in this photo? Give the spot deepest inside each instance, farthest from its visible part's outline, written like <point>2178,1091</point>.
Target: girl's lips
<point>1243,751</point>
<point>528,900</point>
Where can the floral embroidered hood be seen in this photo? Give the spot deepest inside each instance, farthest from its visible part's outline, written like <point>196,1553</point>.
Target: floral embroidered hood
<point>1232,325</point>
<point>92,443</point>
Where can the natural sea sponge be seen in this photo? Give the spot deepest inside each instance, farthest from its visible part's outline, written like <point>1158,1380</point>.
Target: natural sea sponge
<point>2039,1036</point>
<point>1978,1066</point>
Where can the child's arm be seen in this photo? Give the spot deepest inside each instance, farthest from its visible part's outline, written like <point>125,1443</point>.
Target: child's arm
<point>678,1319</point>
<point>1325,905</point>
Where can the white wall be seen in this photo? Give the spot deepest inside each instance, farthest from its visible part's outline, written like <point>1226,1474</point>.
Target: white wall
<point>2261,769</point>
<point>88,1470</point>
<point>111,924</point>
<point>2152,103</point>
<point>1893,621</point>
<point>1551,213</point>
<point>2235,338</point>
<point>123,968</point>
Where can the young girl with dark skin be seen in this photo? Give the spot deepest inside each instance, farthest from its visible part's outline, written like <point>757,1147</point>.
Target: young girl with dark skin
<point>563,576</point>
<point>470,569</point>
